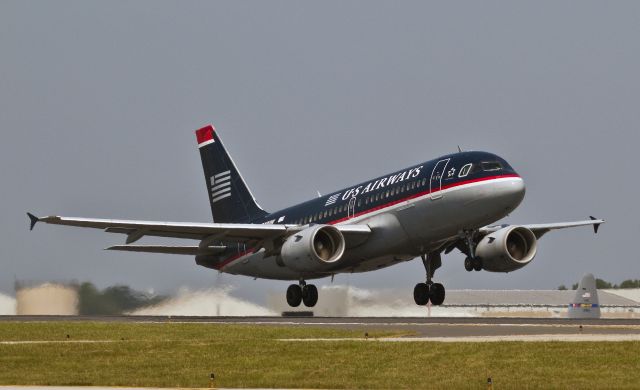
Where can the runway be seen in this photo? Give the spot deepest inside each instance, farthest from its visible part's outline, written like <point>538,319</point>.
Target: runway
<point>419,328</point>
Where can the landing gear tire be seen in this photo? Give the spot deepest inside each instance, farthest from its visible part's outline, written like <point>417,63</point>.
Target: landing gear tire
<point>421,294</point>
<point>429,291</point>
<point>468,264</point>
<point>477,264</point>
<point>310,295</point>
<point>436,294</point>
<point>294,295</point>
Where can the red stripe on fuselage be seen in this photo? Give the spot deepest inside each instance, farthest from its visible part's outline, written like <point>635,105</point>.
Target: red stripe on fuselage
<point>205,134</point>
<point>389,204</point>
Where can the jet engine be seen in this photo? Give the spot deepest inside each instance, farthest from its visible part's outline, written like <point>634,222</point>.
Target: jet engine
<point>507,249</point>
<point>315,248</point>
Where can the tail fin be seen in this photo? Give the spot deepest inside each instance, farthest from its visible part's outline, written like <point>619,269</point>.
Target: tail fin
<point>585,303</point>
<point>229,196</point>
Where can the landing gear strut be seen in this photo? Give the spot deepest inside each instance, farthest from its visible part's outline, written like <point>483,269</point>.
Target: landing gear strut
<point>429,291</point>
<point>302,293</point>
<point>471,262</point>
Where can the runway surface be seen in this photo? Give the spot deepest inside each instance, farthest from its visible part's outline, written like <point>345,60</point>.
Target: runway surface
<point>420,329</point>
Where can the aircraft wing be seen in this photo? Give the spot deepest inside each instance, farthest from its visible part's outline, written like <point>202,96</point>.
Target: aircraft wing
<point>193,250</point>
<point>211,232</point>
<point>541,228</point>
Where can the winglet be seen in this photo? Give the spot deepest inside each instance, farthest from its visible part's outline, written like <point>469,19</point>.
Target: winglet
<point>33,219</point>
<point>595,225</point>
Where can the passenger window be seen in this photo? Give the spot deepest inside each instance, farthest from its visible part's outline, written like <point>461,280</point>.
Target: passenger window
<point>491,166</point>
<point>359,202</point>
<point>424,181</point>
<point>464,171</point>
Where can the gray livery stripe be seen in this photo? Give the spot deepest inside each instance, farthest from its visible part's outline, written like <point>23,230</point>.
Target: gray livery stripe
<point>218,186</point>
<point>214,200</point>
<point>222,191</point>
<point>221,179</point>
<point>222,174</point>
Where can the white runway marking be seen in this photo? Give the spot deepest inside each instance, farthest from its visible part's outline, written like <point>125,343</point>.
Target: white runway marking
<point>56,342</point>
<point>482,339</point>
<point>101,388</point>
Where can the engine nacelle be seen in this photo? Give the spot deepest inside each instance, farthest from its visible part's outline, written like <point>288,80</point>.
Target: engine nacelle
<point>315,248</point>
<point>507,249</point>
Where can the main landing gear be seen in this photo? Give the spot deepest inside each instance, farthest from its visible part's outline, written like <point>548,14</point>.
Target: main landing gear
<point>471,262</point>
<point>429,291</point>
<point>302,292</point>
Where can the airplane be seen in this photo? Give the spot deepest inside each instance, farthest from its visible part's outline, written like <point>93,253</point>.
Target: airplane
<point>424,210</point>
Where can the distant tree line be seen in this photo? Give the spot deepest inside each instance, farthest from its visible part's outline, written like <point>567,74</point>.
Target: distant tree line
<point>603,284</point>
<point>112,300</point>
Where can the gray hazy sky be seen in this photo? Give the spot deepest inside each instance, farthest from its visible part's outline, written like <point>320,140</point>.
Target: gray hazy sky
<point>99,100</point>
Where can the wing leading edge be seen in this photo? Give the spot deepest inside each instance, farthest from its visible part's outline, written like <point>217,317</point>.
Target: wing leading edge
<point>207,233</point>
<point>541,229</point>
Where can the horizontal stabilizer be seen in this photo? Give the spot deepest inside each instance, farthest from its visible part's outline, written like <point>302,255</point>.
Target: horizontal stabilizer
<point>175,250</point>
<point>33,219</point>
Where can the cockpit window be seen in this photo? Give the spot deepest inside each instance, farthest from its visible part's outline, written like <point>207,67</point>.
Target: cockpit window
<point>464,171</point>
<point>491,165</point>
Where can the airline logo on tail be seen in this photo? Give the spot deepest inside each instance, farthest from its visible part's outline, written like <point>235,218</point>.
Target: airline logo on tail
<point>220,186</point>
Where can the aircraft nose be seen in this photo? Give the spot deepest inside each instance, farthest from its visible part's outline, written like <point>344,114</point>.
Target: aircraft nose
<point>515,190</point>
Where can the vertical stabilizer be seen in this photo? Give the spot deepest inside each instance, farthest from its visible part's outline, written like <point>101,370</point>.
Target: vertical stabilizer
<point>230,199</point>
<point>585,303</point>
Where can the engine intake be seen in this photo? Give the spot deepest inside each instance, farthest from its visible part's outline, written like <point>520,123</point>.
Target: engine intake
<point>507,249</point>
<point>316,248</point>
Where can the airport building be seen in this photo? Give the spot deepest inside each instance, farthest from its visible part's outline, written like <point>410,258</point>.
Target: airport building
<point>353,302</point>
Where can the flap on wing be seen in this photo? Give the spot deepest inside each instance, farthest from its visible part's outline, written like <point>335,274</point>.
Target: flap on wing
<point>175,250</point>
<point>137,229</point>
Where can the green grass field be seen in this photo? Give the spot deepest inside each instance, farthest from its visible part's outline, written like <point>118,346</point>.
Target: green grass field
<point>183,355</point>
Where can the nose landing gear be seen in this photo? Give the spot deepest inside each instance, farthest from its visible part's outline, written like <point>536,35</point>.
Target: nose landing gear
<point>429,291</point>
<point>302,293</point>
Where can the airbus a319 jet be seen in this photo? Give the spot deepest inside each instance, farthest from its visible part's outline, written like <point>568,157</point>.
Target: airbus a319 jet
<point>424,210</point>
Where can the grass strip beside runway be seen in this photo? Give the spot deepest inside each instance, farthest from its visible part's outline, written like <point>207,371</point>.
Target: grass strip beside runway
<point>183,355</point>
